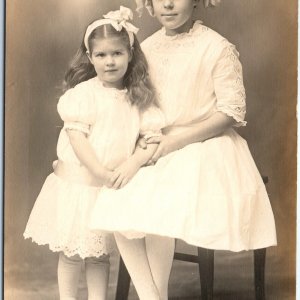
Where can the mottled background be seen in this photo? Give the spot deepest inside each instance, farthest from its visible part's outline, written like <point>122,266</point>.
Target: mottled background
<point>41,37</point>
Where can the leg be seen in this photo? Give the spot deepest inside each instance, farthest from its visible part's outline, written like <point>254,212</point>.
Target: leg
<point>206,270</point>
<point>123,283</point>
<point>259,273</point>
<point>68,273</point>
<point>135,258</point>
<point>97,274</point>
<point>160,252</point>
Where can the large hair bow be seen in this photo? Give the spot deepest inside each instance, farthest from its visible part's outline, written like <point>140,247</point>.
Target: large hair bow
<point>118,19</point>
<point>148,4</point>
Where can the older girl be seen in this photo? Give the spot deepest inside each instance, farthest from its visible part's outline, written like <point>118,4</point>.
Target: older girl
<point>204,188</point>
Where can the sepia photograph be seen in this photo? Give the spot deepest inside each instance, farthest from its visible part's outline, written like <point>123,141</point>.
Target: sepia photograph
<point>150,150</point>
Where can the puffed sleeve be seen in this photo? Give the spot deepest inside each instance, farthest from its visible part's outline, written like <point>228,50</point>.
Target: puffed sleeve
<point>228,84</point>
<point>77,109</point>
<point>152,120</point>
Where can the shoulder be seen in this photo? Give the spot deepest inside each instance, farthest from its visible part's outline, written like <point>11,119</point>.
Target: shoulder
<point>85,87</point>
<point>83,92</point>
<point>79,98</point>
<point>149,41</point>
<point>211,37</point>
<point>214,43</point>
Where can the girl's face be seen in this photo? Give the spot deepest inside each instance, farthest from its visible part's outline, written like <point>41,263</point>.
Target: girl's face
<point>174,15</point>
<point>110,58</point>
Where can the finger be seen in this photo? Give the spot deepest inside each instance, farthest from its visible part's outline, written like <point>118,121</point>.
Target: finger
<point>156,155</point>
<point>154,140</point>
<point>118,182</point>
<point>124,182</point>
<point>142,143</point>
<point>114,177</point>
<point>148,163</point>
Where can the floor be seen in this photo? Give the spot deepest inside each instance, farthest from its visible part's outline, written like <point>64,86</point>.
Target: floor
<point>233,279</point>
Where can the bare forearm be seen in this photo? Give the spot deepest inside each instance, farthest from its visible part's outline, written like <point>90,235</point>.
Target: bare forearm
<point>142,156</point>
<point>85,153</point>
<point>206,129</point>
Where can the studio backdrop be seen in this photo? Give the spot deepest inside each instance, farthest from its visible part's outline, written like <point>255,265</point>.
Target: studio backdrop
<point>42,36</point>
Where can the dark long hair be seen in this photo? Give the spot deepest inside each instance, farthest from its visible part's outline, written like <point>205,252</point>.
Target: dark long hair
<point>136,79</point>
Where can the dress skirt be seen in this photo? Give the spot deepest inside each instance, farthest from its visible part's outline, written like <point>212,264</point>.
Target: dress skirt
<point>60,218</point>
<point>207,194</point>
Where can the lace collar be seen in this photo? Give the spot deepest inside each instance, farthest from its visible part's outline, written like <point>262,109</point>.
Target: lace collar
<point>194,30</point>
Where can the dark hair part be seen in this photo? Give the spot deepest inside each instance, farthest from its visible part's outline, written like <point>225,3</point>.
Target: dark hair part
<point>136,79</point>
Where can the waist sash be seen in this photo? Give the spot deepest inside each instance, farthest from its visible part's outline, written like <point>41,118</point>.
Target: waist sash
<point>75,173</point>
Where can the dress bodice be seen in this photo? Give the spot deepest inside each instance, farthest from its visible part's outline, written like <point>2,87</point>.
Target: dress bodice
<point>195,74</point>
<point>111,123</point>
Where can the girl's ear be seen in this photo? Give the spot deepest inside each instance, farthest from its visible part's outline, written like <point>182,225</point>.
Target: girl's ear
<point>89,57</point>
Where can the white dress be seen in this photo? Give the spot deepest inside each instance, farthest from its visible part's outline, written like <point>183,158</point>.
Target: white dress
<point>209,194</point>
<point>62,210</point>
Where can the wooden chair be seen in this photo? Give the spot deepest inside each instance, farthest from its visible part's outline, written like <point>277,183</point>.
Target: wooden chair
<point>205,261</point>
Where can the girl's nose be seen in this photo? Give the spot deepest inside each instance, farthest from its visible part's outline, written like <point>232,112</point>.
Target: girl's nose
<point>110,61</point>
<point>169,4</point>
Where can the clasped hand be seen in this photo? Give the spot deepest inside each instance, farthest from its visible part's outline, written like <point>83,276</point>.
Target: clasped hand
<point>167,144</point>
<point>119,177</point>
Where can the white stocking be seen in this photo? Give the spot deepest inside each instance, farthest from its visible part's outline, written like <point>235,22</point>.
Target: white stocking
<point>68,273</point>
<point>160,252</point>
<point>97,275</point>
<point>135,258</point>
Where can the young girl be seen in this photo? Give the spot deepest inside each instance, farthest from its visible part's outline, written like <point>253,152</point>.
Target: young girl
<point>204,188</point>
<point>109,102</point>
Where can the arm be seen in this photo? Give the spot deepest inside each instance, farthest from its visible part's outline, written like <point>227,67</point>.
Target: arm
<point>77,109</point>
<point>206,129</point>
<point>140,156</point>
<point>88,158</point>
<point>197,132</point>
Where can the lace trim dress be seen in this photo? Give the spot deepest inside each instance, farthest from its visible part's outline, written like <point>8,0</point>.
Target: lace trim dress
<point>61,213</point>
<point>209,194</point>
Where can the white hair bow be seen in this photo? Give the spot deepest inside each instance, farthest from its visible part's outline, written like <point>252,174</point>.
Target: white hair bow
<point>118,19</point>
<point>147,3</point>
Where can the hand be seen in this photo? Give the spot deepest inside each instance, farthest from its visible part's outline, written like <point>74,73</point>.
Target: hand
<point>166,145</point>
<point>124,173</point>
<point>106,177</point>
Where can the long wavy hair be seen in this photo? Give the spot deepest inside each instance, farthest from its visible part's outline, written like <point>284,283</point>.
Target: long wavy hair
<point>136,79</point>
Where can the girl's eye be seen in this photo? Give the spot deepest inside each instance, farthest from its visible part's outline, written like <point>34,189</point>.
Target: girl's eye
<point>100,54</point>
<point>117,53</point>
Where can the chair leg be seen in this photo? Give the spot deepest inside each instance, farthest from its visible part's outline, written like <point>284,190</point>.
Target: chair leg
<point>206,270</point>
<point>259,273</point>
<point>123,283</point>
